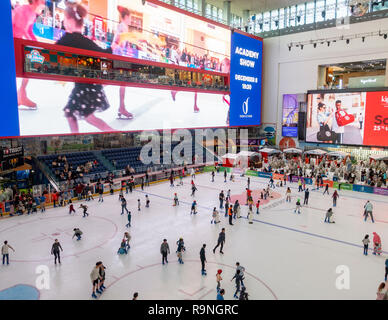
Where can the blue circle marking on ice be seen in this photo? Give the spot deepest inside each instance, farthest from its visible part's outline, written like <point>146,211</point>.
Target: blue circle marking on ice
<point>20,292</point>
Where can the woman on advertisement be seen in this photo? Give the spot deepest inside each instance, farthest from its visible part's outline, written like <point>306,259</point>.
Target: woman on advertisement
<point>85,99</point>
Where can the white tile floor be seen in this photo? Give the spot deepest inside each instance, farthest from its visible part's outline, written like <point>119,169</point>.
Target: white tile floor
<point>286,256</point>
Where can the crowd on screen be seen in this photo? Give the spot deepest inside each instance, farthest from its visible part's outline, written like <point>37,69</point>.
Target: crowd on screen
<point>372,173</point>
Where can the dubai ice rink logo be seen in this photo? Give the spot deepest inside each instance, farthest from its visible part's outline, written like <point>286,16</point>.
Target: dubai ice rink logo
<point>35,56</point>
<point>245,106</point>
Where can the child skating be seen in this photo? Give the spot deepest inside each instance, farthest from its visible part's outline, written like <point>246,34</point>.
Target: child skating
<point>147,201</point>
<point>77,233</point>
<point>138,205</point>
<point>218,279</point>
<point>85,209</point>
<point>297,208</point>
<point>194,207</point>
<point>176,200</point>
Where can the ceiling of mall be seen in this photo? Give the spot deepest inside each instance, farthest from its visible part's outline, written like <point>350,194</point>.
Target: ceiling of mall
<point>255,5</point>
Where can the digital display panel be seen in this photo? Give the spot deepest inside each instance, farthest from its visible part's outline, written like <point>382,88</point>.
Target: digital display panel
<point>290,115</point>
<point>350,118</point>
<point>246,80</point>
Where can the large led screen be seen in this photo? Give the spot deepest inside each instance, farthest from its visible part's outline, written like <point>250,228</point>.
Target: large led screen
<point>290,115</point>
<point>66,107</point>
<point>131,28</point>
<point>352,118</point>
<point>246,80</point>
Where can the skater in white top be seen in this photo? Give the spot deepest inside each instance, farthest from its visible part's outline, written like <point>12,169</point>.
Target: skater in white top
<point>5,252</point>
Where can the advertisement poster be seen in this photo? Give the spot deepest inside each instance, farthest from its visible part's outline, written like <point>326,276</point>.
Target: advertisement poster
<point>131,28</point>
<point>290,115</point>
<point>66,107</point>
<point>354,118</point>
<point>246,80</point>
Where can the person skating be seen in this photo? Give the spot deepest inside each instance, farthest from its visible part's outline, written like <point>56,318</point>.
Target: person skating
<point>249,195</point>
<point>164,250</point>
<point>271,183</point>
<point>135,296</point>
<point>326,189</point>
<point>297,208</point>
<point>376,244</point>
<point>55,250</point>
<point>202,256</point>
<point>382,293</point>
<point>306,196</point>
<point>243,294</point>
<point>236,210</point>
<point>386,269</point>
<point>71,208</point>
<point>77,233</point>
<point>193,188</point>
<point>218,279</point>
<point>226,207</point>
<point>230,214</point>
<point>300,185</point>
<point>101,286</point>
<point>213,174</point>
<point>194,207</point>
<point>248,182</point>
<point>368,208</point>
<point>129,217</point>
<point>335,196</point>
<point>225,175</point>
<point>121,193</point>
<point>180,249</point>
<point>127,238</point>
<point>228,195</point>
<point>221,197</point>
<point>221,241</point>
<point>5,251</point>
<point>250,214</point>
<point>176,200</point>
<point>85,209</point>
<point>238,278</point>
<point>138,205</point>
<point>171,180</point>
<point>123,205</point>
<point>329,214</point>
<point>100,194</point>
<point>220,294</point>
<point>95,277</point>
<point>214,216</point>
<point>257,206</point>
<point>42,203</point>
<point>366,242</point>
<point>242,270</point>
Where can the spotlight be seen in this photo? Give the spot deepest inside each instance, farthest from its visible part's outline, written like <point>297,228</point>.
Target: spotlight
<point>315,45</point>
<point>347,41</point>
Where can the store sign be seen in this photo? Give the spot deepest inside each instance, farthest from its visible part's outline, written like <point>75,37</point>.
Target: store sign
<point>366,82</point>
<point>245,80</point>
<point>35,56</point>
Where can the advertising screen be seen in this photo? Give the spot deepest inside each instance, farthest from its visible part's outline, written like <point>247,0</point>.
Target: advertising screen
<point>290,115</point>
<point>132,28</point>
<point>354,118</point>
<point>245,80</point>
<point>67,107</point>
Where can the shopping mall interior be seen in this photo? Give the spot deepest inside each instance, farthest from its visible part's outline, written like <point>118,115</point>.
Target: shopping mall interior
<point>238,139</point>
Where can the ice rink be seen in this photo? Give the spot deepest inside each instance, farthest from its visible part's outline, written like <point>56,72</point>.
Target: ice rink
<point>286,255</point>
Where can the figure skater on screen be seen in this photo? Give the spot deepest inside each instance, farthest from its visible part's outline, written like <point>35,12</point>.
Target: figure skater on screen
<point>23,20</point>
<point>119,48</point>
<point>85,99</point>
<point>175,60</point>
